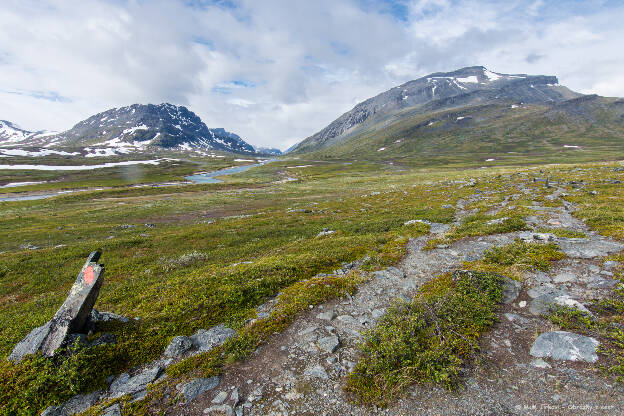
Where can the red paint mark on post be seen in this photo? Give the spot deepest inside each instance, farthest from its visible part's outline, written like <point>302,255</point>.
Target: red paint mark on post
<point>88,275</point>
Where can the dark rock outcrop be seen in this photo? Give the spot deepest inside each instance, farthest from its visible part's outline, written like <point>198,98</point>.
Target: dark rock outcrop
<point>71,316</point>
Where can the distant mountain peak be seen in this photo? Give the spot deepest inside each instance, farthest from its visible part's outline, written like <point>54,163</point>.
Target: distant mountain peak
<point>140,126</point>
<point>11,134</point>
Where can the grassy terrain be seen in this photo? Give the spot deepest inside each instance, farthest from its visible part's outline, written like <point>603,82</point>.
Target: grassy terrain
<point>213,253</point>
<point>429,339</point>
<point>187,257</point>
<point>529,134</point>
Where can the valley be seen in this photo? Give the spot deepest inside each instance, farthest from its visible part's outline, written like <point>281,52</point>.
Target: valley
<point>414,254</point>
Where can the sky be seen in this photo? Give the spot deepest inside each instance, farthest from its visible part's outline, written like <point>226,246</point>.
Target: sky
<point>278,71</point>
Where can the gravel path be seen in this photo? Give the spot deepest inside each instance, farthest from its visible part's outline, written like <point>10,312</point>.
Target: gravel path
<point>302,370</point>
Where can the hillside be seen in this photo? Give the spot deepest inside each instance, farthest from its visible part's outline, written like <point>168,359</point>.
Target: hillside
<point>133,129</point>
<point>472,111</point>
<point>11,134</point>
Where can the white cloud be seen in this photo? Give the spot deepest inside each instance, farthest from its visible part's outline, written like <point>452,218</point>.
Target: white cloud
<point>277,71</point>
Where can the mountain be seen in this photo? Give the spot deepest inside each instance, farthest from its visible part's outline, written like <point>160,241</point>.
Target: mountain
<point>11,134</point>
<point>467,110</point>
<point>268,150</point>
<point>137,127</point>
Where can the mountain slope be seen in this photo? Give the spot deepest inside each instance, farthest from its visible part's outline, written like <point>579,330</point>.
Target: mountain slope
<point>11,134</point>
<point>412,110</point>
<point>137,127</point>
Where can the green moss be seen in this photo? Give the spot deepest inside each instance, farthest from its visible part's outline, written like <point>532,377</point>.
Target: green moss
<point>563,232</point>
<point>426,340</point>
<point>524,255</point>
<point>479,224</point>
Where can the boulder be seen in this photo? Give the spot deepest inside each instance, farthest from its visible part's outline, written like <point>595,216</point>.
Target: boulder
<point>178,346</point>
<point>207,339</point>
<point>70,318</point>
<point>562,345</point>
<point>76,404</point>
<point>126,384</point>
<point>194,388</point>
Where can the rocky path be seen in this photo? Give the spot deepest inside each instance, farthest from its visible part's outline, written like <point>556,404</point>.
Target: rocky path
<point>302,370</point>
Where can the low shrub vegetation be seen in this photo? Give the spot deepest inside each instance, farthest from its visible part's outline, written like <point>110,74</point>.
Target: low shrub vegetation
<point>426,340</point>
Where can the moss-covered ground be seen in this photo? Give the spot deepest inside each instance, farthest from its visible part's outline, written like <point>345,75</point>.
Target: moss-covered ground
<point>187,257</point>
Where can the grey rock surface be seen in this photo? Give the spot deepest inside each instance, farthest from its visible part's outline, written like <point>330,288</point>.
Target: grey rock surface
<point>126,384</point>
<point>194,388</point>
<point>178,346</point>
<point>207,339</point>
<point>316,371</point>
<point>562,345</point>
<point>329,344</point>
<point>114,410</point>
<point>511,290</point>
<point>222,409</point>
<point>76,404</point>
<point>71,316</point>
<point>588,248</point>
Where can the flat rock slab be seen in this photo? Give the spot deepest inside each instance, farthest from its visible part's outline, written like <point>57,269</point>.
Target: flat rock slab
<point>562,345</point>
<point>194,388</point>
<point>588,248</point>
<point>71,316</point>
<point>76,404</point>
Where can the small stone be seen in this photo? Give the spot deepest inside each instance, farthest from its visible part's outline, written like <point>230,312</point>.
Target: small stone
<point>378,313</point>
<point>316,371</point>
<point>326,316</point>
<point>124,384</point>
<point>222,409</point>
<point>76,404</point>
<point>511,290</point>
<point>539,363</point>
<point>564,277</point>
<point>220,397</point>
<point>329,344</point>
<point>234,398</point>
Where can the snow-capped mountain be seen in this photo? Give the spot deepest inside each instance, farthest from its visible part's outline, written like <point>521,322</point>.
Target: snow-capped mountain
<point>138,127</point>
<point>11,134</point>
<point>442,90</point>
<point>268,150</point>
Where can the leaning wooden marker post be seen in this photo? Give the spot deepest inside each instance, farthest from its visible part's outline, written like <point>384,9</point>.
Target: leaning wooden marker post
<point>70,318</point>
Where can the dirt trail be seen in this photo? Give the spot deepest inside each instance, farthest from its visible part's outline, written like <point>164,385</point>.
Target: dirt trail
<point>302,370</point>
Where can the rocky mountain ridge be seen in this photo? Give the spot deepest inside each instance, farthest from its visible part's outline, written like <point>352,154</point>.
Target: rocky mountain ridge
<point>135,128</point>
<point>440,91</point>
<point>138,127</point>
<point>10,133</point>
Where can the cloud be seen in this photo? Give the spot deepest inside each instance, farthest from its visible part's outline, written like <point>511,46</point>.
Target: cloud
<point>277,71</point>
